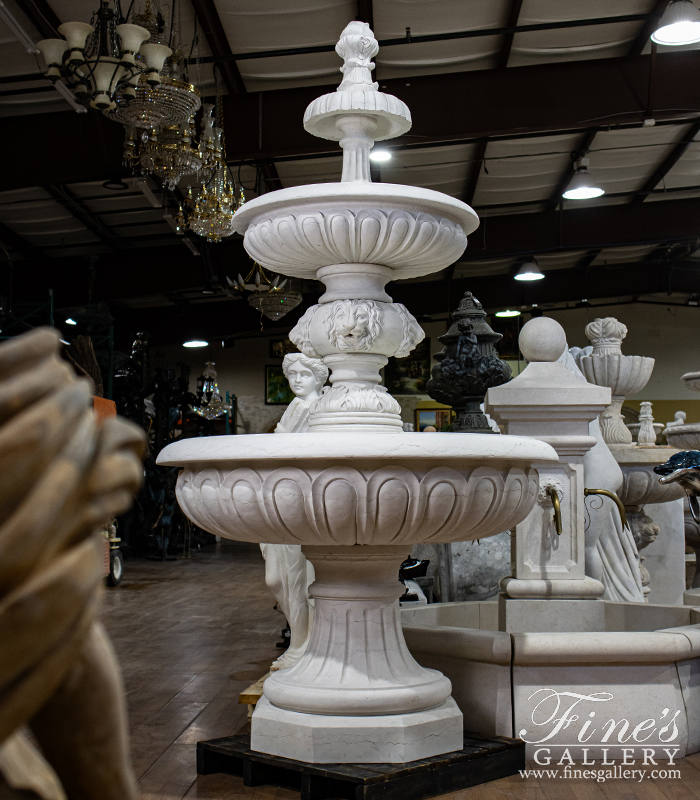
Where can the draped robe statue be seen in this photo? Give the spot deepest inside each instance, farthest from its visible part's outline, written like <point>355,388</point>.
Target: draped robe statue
<point>288,574</point>
<point>611,552</point>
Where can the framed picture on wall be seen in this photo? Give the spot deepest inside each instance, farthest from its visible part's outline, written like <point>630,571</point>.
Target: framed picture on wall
<point>279,348</point>
<point>409,375</point>
<point>277,391</point>
<point>438,419</point>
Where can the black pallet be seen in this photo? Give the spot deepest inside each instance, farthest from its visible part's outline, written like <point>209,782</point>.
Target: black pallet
<point>482,759</point>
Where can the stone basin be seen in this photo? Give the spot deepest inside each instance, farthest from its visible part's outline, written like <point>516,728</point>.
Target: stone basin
<point>641,484</point>
<point>350,489</point>
<point>684,437</point>
<point>356,502</point>
<point>410,230</point>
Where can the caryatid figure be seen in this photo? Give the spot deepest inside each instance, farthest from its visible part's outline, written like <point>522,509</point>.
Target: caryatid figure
<point>288,574</point>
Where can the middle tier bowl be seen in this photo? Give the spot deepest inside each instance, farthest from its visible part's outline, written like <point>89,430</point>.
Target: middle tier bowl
<point>410,230</point>
<point>357,489</point>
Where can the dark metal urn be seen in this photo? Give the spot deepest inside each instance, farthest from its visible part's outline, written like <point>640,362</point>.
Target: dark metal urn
<point>467,366</point>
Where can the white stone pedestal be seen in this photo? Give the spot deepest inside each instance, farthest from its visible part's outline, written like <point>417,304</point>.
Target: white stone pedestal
<point>357,694</point>
<point>388,739</point>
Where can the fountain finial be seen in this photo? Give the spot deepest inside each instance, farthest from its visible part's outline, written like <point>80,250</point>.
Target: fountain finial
<point>357,47</point>
<point>357,114</point>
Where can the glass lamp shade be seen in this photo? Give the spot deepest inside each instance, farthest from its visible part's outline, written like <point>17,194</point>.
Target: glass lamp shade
<point>131,37</point>
<point>529,271</point>
<point>582,186</point>
<point>52,50</point>
<point>76,33</point>
<point>680,24</point>
<point>106,74</point>
<point>155,55</point>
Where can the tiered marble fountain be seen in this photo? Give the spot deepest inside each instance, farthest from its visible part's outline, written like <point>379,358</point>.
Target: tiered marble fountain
<point>356,491</point>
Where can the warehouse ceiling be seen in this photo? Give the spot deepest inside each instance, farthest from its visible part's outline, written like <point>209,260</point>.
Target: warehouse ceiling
<point>502,93</point>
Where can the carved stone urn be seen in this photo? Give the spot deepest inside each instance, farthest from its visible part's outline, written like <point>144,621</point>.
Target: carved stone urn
<point>468,366</point>
<point>686,437</point>
<point>356,491</point>
<point>606,366</point>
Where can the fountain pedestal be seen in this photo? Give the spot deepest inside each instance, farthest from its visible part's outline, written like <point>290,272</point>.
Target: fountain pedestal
<point>376,702</point>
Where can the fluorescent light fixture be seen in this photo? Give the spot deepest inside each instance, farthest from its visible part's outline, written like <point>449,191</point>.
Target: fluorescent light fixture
<point>508,313</point>
<point>17,29</point>
<point>66,93</point>
<point>142,183</point>
<point>196,343</point>
<point>380,155</point>
<point>582,186</point>
<point>529,271</point>
<point>191,246</point>
<point>680,24</point>
<point>71,321</point>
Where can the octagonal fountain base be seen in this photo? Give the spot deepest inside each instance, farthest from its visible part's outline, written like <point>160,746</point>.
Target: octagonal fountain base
<point>631,686</point>
<point>388,739</point>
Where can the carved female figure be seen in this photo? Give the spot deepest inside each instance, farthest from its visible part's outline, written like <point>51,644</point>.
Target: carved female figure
<point>288,574</point>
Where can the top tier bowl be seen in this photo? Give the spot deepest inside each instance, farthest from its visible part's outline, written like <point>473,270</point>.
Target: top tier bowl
<point>395,489</point>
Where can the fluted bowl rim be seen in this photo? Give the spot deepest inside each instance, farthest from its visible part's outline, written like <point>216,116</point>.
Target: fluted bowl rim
<point>387,195</point>
<point>475,448</point>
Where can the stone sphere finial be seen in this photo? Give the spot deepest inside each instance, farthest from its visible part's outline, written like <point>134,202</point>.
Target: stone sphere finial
<point>542,339</point>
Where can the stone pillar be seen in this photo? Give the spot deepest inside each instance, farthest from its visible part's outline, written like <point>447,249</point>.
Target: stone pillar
<point>548,402</point>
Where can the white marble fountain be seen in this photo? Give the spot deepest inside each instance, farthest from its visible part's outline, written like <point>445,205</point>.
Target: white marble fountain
<point>356,491</point>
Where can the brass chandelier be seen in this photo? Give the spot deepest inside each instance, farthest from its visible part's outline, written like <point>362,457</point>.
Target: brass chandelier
<point>266,296</point>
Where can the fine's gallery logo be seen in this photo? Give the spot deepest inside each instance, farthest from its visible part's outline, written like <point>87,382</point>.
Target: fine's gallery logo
<point>578,721</point>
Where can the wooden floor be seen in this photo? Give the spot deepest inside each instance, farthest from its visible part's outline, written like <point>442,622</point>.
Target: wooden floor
<point>190,635</point>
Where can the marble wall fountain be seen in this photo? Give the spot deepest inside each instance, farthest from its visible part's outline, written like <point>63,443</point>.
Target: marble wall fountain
<point>356,492</point>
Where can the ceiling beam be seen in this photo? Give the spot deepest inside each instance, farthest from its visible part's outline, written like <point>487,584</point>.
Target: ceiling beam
<point>518,101</point>
<point>14,241</point>
<point>648,28</point>
<point>61,194</point>
<point>431,37</point>
<point>584,229</point>
<point>218,43</point>
<point>365,12</point>
<point>667,164</point>
<point>583,147</point>
<point>511,22</point>
<point>474,171</point>
<point>42,17</point>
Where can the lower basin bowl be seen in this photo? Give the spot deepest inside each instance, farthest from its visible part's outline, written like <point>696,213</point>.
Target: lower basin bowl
<point>357,488</point>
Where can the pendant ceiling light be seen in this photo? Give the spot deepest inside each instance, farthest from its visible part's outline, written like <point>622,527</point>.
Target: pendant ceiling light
<point>267,296</point>
<point>508,313</point>
<point>210,212</point>
<point>211,404</point>
<point>583,185</point>
<point>103,61</point>
<point>529,271</point>
<point>680,24</point>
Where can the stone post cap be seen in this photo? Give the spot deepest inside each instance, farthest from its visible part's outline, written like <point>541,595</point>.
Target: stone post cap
<point>542,339</point>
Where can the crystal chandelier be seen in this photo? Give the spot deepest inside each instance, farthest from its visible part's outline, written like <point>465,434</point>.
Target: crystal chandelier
<point>211,404</point>
<point>267,296</point>
<point>167,153</point>
<point>99,61</point>
<point>174,100</point>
